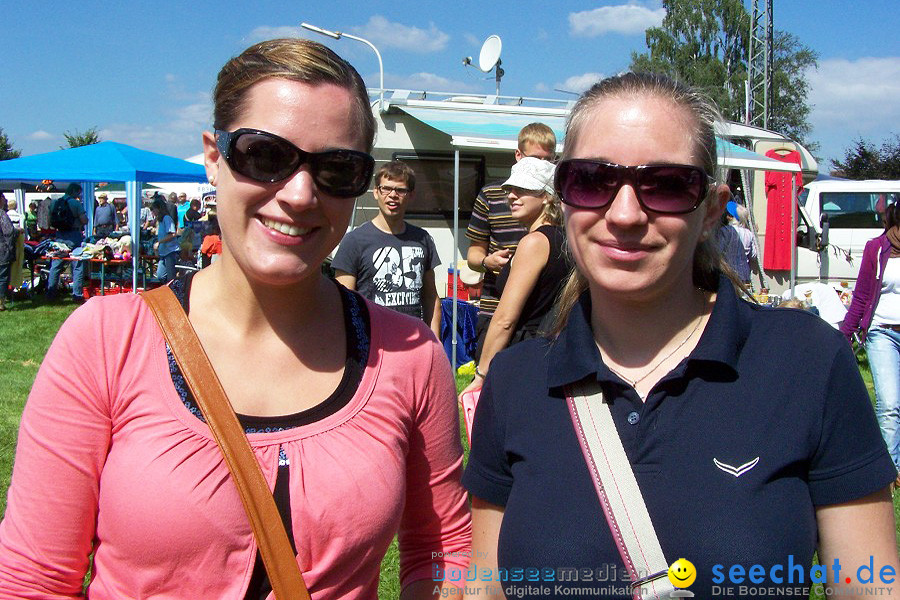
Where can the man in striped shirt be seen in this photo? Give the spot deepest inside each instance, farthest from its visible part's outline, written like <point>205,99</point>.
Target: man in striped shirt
<point>493,232</point>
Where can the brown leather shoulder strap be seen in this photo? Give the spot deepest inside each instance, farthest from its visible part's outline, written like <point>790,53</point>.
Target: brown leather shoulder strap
<point>274,546</point>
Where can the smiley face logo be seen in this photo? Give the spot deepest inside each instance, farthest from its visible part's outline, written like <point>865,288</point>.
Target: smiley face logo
<point>682,573</point>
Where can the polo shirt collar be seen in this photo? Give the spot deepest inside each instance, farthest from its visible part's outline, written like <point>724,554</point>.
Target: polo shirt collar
<point>574,355</point>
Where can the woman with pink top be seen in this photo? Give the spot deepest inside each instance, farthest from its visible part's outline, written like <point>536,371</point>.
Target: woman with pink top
<point>875,311</point>
<point>349,408</point>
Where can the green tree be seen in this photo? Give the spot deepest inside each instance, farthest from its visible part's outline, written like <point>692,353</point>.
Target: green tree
<point>864,160</point>
<point>890,159</point>
<point>6,148</point>
<point>791,106</point>
<point>91,136</point>
<point>705,43</point>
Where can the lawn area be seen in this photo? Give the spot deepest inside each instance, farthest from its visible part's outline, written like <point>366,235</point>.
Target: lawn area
<point>27,330</point>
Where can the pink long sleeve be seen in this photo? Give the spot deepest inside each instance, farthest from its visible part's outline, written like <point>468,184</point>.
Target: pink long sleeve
<point>436,518</point>
<point>46,535</point>
<point>110,459</point>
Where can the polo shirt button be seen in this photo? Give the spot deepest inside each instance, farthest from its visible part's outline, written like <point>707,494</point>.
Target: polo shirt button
<point>633,417</point>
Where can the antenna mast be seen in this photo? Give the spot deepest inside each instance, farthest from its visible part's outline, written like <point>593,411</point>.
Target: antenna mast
<point>489,58</point>
<point>760,81</point>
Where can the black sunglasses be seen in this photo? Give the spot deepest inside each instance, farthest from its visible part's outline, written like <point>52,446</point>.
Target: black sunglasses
<point>670,189</point>
<point>265,157</point>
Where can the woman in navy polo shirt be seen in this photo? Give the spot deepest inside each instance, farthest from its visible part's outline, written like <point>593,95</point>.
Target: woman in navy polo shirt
<point>749,430</point>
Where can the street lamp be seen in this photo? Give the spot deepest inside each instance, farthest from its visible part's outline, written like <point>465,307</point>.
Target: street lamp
<point>338,35</point>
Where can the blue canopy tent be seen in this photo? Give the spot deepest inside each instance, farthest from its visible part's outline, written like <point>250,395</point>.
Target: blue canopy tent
<point>105,161</point>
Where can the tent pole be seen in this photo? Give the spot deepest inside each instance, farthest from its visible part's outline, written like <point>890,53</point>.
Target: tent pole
<point>19,194</point>
<point>87,200</point>
<point>793,234</point>
<point>455,254</point>
<point>132,194</point>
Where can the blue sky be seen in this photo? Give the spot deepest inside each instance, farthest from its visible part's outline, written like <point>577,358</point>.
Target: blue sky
<point>141,72</point>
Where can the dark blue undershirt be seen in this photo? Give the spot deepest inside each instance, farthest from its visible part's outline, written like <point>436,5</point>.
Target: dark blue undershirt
<point>357,333</point>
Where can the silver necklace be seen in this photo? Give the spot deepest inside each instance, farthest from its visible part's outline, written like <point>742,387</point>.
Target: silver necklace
<point>634,382</point>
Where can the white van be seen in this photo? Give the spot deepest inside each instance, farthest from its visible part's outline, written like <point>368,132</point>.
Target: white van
<point>838,217</point>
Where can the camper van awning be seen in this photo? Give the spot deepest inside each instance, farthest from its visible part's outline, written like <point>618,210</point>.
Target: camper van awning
<point>479,128</point>
<point>483,129</point>
<point>732,156</point>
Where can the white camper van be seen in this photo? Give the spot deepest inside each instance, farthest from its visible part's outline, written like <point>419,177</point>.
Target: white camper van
<point>456,144</point>
<point>838,217</point>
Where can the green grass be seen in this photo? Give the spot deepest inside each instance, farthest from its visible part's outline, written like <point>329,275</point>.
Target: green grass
<point>28,328</point>
<point>389,584</point>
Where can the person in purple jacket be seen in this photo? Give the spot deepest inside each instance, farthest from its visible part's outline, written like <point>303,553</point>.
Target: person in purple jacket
<point>875,311</point>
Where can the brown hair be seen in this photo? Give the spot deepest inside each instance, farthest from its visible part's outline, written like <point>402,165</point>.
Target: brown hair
<point>297,60</point>
<point>398,171</point>
<point>892,215</point>
<point>792,303</point>
<point>708,262</point>
<point>537,133</point>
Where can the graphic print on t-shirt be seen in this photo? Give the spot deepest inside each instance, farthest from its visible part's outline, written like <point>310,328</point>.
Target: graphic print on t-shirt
<point>391,270</point>
<point>398,276</point>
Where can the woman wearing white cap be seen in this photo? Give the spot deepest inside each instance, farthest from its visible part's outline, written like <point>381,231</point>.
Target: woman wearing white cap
<point>530,283</point>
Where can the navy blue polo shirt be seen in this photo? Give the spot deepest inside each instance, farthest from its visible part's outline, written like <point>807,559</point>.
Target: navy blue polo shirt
<point>777,385</point>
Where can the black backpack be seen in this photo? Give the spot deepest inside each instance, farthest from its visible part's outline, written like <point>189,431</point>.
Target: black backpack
<point>61,217</point>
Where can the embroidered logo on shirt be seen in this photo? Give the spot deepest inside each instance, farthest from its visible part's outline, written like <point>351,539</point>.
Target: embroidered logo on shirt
<point>736,471</point>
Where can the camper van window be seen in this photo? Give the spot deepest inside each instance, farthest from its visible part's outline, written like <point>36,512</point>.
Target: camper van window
<point>856,210</point>
<point>434,183</point>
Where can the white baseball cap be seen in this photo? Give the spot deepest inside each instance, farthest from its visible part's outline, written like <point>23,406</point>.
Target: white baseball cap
<point>532,173</point>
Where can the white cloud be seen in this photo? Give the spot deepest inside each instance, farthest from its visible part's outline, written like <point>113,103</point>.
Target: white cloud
<point>170,78</point>
<point>386,34</point>
<point>628,19</point>
<point>473,41</point>
<point>179,136</point>
<point>579,83</point>
<point>427,81</point>
<point>40,134</point>
<point>270,33</point>
<point>541,87</point>
<point>864,91</point>
<point>852,99</point>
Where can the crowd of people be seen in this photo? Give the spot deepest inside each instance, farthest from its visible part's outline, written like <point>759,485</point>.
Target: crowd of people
<point>608,303</point>
<point>56,229</point>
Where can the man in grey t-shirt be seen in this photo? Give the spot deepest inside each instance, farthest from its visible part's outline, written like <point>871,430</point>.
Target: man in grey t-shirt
<point>388,260</point>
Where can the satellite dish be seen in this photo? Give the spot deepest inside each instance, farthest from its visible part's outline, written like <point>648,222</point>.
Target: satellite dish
<point>490,53</point>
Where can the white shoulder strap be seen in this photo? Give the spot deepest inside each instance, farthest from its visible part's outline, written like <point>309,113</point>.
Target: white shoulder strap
<point>624,508</point>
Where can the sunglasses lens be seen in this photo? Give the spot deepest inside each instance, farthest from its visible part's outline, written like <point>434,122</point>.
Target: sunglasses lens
<point>267,158</point>
<point>593,184</point>
<point>586,184</point>
<point>671,189</point>
<point>263,158</point>
<point>342,173</point>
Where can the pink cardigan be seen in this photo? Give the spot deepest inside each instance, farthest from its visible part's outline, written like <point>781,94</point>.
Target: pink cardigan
<point>108,457</point>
